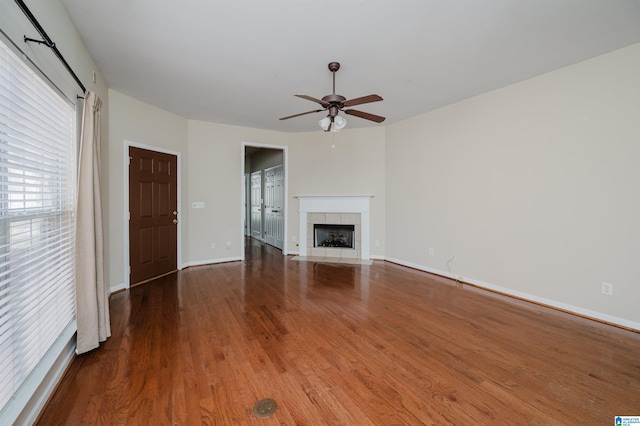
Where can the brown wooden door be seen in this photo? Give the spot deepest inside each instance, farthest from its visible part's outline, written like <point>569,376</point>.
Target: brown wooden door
<point>153,205</point>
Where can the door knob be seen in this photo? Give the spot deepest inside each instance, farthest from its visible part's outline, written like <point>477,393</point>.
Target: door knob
<point>175,221</point>
<point>175,213</point>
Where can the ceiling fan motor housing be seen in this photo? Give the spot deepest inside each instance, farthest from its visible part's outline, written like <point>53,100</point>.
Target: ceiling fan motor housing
<point>334,99</point>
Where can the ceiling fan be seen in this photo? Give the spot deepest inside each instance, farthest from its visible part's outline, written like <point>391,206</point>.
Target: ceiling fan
<point>335,103</point>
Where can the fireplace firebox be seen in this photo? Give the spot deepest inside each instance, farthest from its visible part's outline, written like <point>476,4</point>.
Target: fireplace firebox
<point>328,235</point>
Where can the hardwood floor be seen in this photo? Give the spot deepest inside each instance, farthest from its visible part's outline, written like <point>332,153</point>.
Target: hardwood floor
<point>343,345</point>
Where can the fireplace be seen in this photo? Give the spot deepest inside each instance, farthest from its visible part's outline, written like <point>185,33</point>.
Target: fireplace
<point>342,213</point>
<point>335,238</point>
<point>333,235</point>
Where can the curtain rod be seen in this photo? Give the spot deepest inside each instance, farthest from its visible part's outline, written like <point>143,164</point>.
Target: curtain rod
<point>47,42</point>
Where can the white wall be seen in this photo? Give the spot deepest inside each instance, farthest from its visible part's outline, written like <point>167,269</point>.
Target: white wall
<point>535,187</point>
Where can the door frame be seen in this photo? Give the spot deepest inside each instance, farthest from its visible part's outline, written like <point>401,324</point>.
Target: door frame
<point>285,165</point>
<point>126,214</point>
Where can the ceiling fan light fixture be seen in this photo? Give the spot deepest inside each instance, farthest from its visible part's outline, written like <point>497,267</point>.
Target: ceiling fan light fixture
<point>324,123</point>
<point>338,123</point>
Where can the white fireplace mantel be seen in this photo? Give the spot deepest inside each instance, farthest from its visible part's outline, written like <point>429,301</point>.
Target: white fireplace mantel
<point>335,204</point>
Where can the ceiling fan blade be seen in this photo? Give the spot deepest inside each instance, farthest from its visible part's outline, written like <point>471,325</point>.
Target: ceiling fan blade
<point>362,100</point>
<point>364,115</point>
<point>302,113</point>
<point>309,98</point>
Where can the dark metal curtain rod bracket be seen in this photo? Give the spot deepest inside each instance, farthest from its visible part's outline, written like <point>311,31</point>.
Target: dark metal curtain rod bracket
<point>33,40</point>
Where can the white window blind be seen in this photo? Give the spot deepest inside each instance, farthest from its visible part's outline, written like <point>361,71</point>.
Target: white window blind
<point>37,198</point>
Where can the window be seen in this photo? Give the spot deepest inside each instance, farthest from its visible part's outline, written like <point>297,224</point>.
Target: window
<point>37,198</point>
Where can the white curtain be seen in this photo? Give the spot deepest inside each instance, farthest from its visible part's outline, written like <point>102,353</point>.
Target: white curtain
<point>92,295</point>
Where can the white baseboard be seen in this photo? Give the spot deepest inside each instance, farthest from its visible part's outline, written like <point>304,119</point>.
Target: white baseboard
<point>583,312</point>
<point>211,261</point>
<point>118,287</point>
<point>123,286</point>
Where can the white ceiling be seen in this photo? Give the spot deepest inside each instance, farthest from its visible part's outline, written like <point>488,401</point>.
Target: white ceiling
<point>240,62</point>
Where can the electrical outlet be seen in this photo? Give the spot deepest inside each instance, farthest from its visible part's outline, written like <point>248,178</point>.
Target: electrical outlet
<point>377,243</point>
<point>213,245</point>
<point>228,245</point>
<point>431,252</point>
<point>607,288</point>
<point>294,238</point>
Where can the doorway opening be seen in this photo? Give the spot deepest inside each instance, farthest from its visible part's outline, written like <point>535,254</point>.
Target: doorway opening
<point>264,191</point>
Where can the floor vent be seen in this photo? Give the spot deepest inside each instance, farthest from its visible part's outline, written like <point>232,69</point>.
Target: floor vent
<point>264,408</point>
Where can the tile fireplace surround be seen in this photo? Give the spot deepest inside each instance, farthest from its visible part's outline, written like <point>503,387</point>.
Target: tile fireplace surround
<point>335,209</point>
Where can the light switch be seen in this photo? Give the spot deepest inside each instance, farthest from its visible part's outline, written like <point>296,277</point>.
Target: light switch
<point>197,205</point>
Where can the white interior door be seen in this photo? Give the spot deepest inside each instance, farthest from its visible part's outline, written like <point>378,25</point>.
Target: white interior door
<point>256,205</point>
<point>274,206</point>
<point>247,205</point>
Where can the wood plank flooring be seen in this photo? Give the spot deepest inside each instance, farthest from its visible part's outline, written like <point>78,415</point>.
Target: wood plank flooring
<point>343,345</point>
